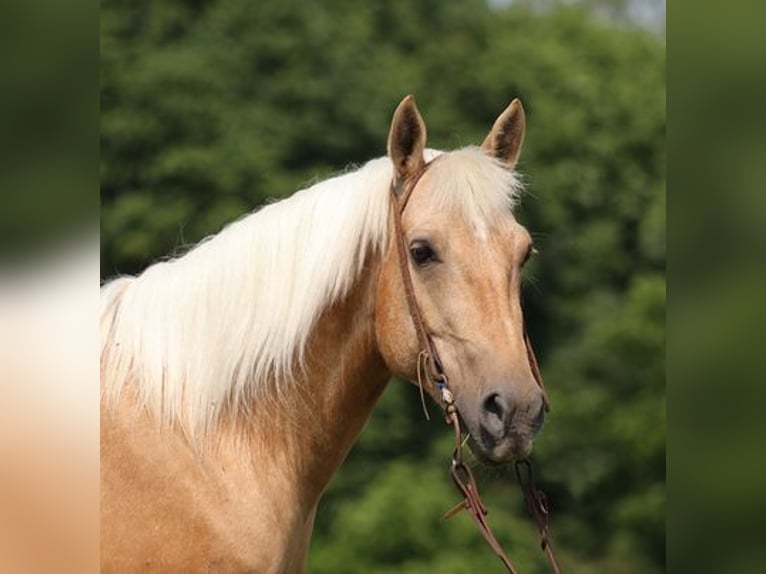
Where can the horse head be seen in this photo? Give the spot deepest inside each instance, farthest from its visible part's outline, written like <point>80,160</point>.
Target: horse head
<point>464,254</point>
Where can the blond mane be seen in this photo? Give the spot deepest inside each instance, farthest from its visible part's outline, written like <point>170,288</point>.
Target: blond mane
<point>192,334</point>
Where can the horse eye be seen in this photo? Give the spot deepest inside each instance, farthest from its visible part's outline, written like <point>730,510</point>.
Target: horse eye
<point>422,253</point>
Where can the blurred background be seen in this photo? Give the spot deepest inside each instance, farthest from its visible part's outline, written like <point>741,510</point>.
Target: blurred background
<point>209,108</point>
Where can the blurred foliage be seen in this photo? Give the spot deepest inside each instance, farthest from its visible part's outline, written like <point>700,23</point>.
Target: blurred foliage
<point>48,126</point>
<point>212,107</point>
<point>719,320</point>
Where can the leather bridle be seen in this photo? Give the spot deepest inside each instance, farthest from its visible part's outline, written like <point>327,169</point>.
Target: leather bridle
<point>430,368</point>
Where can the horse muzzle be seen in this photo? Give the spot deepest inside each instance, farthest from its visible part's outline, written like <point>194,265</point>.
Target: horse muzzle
<point>504,429</point>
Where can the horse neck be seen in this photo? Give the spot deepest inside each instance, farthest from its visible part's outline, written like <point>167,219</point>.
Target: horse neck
<point>323,413</point>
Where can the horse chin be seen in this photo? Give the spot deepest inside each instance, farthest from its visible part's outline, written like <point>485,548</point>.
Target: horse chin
<point>511,449</point>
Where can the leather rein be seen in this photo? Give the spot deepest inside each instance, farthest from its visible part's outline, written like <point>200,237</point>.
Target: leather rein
<point>431,368</point>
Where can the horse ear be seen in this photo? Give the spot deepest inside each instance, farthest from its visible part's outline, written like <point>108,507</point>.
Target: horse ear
<point>407,139</point>
<point>507,134</point>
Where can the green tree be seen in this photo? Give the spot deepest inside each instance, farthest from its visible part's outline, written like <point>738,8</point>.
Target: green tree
<point>210,108</point>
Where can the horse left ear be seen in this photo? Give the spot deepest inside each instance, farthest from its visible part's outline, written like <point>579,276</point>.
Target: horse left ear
<point>507,134</point>
<point>406,140</point>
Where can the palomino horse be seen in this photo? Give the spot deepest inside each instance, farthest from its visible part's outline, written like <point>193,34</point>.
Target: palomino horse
<point>236,378</point>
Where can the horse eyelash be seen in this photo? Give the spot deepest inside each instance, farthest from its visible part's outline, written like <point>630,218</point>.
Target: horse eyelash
<point>530,252</point>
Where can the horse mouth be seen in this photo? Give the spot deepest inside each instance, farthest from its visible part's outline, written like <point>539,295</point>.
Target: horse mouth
<point>511,448</point>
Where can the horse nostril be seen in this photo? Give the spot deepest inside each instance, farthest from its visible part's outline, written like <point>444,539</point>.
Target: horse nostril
<point>494,404</point>
<point>495,412</point>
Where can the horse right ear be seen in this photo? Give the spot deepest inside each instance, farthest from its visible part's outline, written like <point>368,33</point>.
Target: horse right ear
<point>507,134</point>
<point>406,140</point>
